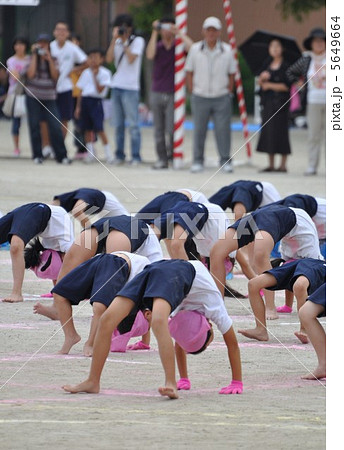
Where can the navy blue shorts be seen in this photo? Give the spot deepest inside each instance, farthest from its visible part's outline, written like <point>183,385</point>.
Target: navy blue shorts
<point>65,105</point>
<point>249,193</point>
<point>26,222</point>
<point>276,220</point>
<point>319,297</point>
<point>305,202</point>
<point>189,215</point>
<point>92,114</point>
<point>99,279</point>
<point>135,229</point>
<point>93,197</point>
<point>286,274</point>
<point>159,205</point>
<point>168,279</point>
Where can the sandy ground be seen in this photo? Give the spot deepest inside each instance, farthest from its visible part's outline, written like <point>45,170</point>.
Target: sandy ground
<point>277,410</point>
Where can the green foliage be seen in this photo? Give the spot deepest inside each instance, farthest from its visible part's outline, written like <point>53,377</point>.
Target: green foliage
<point>299,9</point>
<point>146,11</point>
<point>247,79</point>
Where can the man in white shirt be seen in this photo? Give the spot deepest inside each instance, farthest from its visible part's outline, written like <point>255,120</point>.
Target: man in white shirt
<point>210,68</point>
<point>68,55</point>
<point>126,51</point>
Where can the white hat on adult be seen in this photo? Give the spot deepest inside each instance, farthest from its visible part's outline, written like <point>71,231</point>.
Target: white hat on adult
<point>212,22</point>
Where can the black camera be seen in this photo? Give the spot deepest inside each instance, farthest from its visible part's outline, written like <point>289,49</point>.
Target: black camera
<point>122,30</point>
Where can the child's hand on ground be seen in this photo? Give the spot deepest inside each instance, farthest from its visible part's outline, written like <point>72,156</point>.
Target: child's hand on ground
<point>236,387</point>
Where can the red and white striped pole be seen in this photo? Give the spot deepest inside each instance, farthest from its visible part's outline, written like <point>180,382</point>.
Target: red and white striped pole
<point>179,85</point>
<point>238,82</point>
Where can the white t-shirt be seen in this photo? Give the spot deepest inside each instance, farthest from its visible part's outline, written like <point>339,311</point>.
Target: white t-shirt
<point>151,247</point>
<point>67,56</point>
<point>316,77</point>
<point>210,68</point>
<point>113,205</point>
<point>197,196</point>
<point>127,76</point>
<point>58,234</point>
<point>302,241</point>
<point>270,194</point>
<point>320,218</point>
<point>87,85</point>
<point>137,263</point>
<point>214,228</point>
<point>205,298</point>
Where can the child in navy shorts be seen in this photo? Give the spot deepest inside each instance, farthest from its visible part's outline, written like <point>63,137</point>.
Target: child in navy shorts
<point>264,227</point>
<point>166,286</point>
<point>107,235</point>
<point>84,202</point>
<point>244,196</point>
<point>302,277</point>
<point>315,307</point>
<point>93,84</point>
<point>50,223</point>
<point>98,279</point>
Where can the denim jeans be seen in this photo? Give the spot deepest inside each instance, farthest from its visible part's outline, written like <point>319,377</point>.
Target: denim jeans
<point>125,104</point>
<point>45,110</point>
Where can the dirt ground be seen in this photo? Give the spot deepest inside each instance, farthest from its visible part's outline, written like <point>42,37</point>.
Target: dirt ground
<point>277,410</point>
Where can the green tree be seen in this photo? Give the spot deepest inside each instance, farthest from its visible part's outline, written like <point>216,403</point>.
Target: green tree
<point>299,9</point>
<point>146,11</point>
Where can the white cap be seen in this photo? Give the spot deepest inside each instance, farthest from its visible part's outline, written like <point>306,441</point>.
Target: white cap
<point>213,22</point>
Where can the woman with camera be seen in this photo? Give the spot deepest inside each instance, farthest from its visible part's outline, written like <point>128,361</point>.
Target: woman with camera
<point>40,90</point>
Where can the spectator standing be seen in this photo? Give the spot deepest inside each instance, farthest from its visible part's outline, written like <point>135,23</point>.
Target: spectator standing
<point>310,73</point>
<point>126,50</point>
<point>162,53</point>
<point>70,58</point>
<point>17,65</point>
<point>42,75</point>
<point>210,68</point>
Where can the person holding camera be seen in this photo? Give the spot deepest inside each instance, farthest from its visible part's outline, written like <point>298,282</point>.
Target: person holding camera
<point>40,90</point>
<point>126,50</point>
<point>161,52</point>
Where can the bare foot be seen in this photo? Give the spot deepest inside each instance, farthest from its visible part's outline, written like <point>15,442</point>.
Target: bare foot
<point>88,349</point>
<point>47,311</point>
<point>86,386</point>
<point>68,344</point>
<point>254,333</point>
<point>302,337</point>
<point>271,314</point>
<point>169,391</point>
<point>317,374</point>
<point>13,298</point>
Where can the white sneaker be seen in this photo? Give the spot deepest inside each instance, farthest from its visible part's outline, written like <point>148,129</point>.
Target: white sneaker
<point>47,152</point>
<point>197,167</point>
<point>227,168</point>
<point>38,161</point>
<point>66,161</point>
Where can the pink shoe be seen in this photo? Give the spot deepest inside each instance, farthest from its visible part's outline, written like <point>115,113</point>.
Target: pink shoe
<point>138,346</point>
<point>48,295</point>
<point>16,152</point>
<point>284,309</point>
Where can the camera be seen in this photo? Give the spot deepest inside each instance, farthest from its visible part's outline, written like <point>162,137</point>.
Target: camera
<point>40,51</point>
<point>163,26</point>
<point>122,30</point>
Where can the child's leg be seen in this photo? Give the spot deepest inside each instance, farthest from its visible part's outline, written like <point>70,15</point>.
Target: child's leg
<point>221,249</point>
<point>300,290</point>
<point>116,312</point>
<point>239,210</point>
<point>18,269</point>
<point>257,304</point>
<point>308,315</point>
<point>263,245</point>
<point>64,312</point>
<point>117,241</point>
<point>98,310</point>
<point>161,311</point>
<point>175,246</point>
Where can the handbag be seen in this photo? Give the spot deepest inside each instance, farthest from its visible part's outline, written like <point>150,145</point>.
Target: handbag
<point>15,104</point>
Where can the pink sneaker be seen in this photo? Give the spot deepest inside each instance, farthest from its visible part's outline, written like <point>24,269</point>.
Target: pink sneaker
<point>284,309</point>
<point>16,152</point>
<point>48,295</point>
<point>138,346</point>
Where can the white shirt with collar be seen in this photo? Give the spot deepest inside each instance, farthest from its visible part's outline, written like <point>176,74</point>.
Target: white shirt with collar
<point>211,68</point>
<point>87,85</point>
<point>67,57</point>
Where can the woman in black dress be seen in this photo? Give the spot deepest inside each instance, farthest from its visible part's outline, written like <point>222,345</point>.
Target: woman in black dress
<point>274,91</point>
